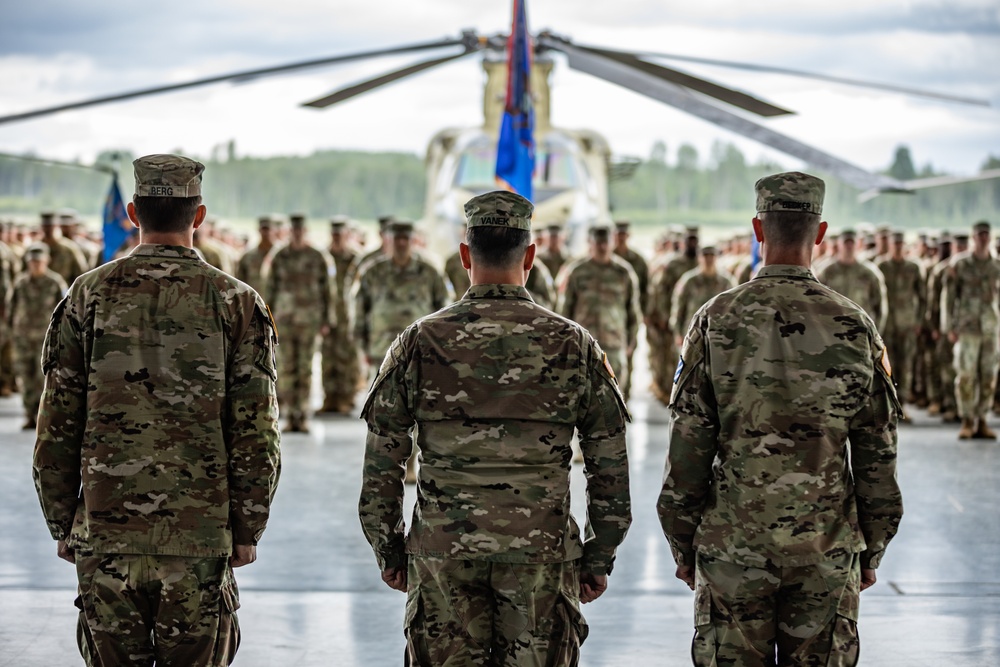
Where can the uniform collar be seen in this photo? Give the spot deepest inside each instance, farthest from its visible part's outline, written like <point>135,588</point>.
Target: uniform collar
<point>498,292</point>
<point>156,250</point>
<point>785,271</point>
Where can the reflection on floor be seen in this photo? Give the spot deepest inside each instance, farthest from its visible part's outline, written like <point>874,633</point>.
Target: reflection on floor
<point>314,596</point>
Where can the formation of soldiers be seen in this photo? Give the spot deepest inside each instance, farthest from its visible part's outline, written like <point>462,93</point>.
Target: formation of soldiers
<point>935,300</point>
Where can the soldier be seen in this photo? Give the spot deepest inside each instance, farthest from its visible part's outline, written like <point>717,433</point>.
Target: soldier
<point>634,259</point>
<point>9,264</point>
<point>301,290</point>
<point>554,255</point>
<point>210,249</point>
<point>393,292</point>
<point>65,257</point>
<point>157,453</point>
<point>769,519</point>
<point>541,286</point>
<point>30,303</point>
<point>662,349</point>
<point>341,365</point>
<point>384,249</point>
<point>694,289</point>
<point>69,225</point>
<point>600,292</point>
<point>857,279</point>
<point>971,320</point>
<point>905,287</point>
<point>944,360</point>
<point>250,268</point>
<point>458,277</point>
<point>493,565</point>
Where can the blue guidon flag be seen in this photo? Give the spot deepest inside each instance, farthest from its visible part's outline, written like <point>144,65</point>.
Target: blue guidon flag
<point>117,227</point>
<point>516,146</point>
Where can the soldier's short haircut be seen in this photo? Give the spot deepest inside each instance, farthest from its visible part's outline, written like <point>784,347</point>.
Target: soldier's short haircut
<point>495,247</point>
<point>789,228</point>
<point>168,215</point>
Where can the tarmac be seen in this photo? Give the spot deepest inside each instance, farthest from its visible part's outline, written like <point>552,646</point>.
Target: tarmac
<point>314,596</point>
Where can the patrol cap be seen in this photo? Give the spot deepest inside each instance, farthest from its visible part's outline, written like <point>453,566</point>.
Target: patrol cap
<point>339,223</point>
<point>848,235</point>
<point>961,236</point>
<point>264,222</point>
<point>384,221</point>
<point>499,209</point>
<point>167,176</point>
<point>297,220</point>
<point>898,237</point>
<point>401,227</point>
<point>691,232</point>
<point>981,226</point>
<point>622,225</point>
<point>67,213</point>
<point>709,250</point>
<point>883,230</point>
<point>790,191</point>
<point>37,251</point>
<point>48,218</point>
<point>600,232</point>
<point>553,227</point>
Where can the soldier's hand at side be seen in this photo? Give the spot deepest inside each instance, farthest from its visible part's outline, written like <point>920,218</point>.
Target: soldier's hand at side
<point>64,552</point>
<point>243,554</point>
<point>592,586</point>
<point>952,337</point>
<point>324,330</point>
<point>867,578</point>
<point>686,574</point>
<point>395,578</point>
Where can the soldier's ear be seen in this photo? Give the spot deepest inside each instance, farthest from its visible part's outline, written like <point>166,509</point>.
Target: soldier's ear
<point>463,252</point>
<point>758,229</point>
<point>821,233</point>
<point>529,257</point>
<point>130,209</point>
<point>199,215</point>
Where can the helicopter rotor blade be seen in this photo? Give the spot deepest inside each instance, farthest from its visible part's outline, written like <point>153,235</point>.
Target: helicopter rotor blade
<point>704,86</point>
<point>770,69</point>
<point>384,79</point>
<point>613,71</point>
<point>246,75</point>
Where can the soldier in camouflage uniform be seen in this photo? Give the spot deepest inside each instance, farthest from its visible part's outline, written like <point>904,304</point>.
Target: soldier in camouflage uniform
<point>9,263</point>
<point>250,268</point>
<point>601,293</point>
<point>541,286</point>
<point>970,317</point>
<point>65,257</point>
<point>772,524</point>
<point>635,260</point>
<point>857,279</point>
<point>457,276</point>
<point>159,375</point>
<point>905,287</point>
<point>30,303</point>
<point>301,291</point>
<point>341,364</point>
<point>494,386</point>
<point>554,256</point>
<point>694,289</point>
<point>944,360</point>
<point>662,348</point>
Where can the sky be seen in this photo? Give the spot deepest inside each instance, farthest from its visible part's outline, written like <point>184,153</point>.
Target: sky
<point>58,51</point>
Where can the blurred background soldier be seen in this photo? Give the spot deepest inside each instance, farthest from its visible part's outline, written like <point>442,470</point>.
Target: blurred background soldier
<point>906,291</point>
<point>553,255</point>
<point>72,231</point>
<point>381,250</point>
<point>944,361</point>
<point>971,320</point>
<point>600,293</point>
<point>541,286</point>
<point>301,291</point>
<point>662,348</point>
<point>250,268</point>
<point>9,267</point>
<point>65,257</point>
<point>634,259</point>
<point>341,365</point>
<point>30,303</point>
<point>858,280</point>
<point>458,277</point>
<point>210,249</point>
<point>695,289</point>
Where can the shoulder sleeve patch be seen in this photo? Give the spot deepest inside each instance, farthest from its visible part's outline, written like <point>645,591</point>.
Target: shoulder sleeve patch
<point>692,354</point>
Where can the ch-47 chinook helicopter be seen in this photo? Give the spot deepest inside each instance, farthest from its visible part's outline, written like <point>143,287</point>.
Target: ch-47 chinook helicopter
<point>572,167</point>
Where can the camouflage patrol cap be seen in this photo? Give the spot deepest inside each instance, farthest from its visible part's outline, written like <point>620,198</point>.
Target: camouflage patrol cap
<point>67,213</point>
<point>384,221</point>
<point>692,232</point>
<point>790,191</point>
<point>297,220</point>
<point>553,227</point>
<point>848,235</point>
<point>962,237</point>
<point>264,222</point>
<point>499,209</point>
<point>600,231</point>
<point>37,251</point>
<point>339,223</point>
<point>401,227</point>
<point>622,225</point>
<point>48,218</point>
<point>898,236</point>
<point>709,250</point>
<point>981,226</point>
<point>167,176</point>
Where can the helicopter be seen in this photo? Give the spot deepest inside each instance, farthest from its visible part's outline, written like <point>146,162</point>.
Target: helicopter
<point>573,166</point>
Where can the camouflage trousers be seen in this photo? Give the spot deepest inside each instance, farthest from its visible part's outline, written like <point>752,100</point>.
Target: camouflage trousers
<point>662,359</point>
<point>901,346</point>
<point>7,376</point>
<point>975,358</point>
<point>779,616</point>
<point>144,610</point>
<point>945,360</point>
<point>296,351</point>
<point>461,613</point>
<point>28,368</point>
<point>341,366</point>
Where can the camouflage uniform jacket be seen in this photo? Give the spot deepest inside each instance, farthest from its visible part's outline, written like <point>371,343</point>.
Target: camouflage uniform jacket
<point>495,385</point>
<point>540,286</point>
<point>782,381</point>
<point>65,258</point>
<point>390,298</point>
<point>641,268</point>
<point>969,297</point>
<point>343,263</point>
<point>457,276</point>
<point>603,298</point>
<point>301,288</point>
<point>693,291</point>
<point>31,301</point>
<point>553,261</point>
<point>905,287</point>
<point>861,282</point>
<point>250,268</point>
<point>661,295</point>
<point>935,287</point>
<point>157,432</point>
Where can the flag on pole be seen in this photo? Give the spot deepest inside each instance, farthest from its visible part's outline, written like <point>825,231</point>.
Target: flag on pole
<point>516,146</point>
<point>117,227</point>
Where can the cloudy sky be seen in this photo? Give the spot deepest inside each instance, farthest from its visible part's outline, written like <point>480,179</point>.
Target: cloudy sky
<point>58,51</point>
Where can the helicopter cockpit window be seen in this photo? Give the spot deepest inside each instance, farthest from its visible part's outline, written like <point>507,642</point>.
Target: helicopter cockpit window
<point>553,169</point>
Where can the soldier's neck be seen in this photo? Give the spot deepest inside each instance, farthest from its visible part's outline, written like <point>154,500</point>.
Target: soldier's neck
<point>185,239</point>
<point>786,256</point>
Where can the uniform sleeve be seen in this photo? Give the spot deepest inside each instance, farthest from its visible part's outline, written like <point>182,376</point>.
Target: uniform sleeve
<point>634,309</point>
<point>872,435</point>
<point>947,299</point>
<point>881,299</point>
<point>329,290</point>
<point>362,307</point>
<point>440,292</point>
<point>251,429</point>
<point>387,447</point>
<point>678,308</point>
<point>602,440</point>
<point>61,420</point>
<point>693,436</point>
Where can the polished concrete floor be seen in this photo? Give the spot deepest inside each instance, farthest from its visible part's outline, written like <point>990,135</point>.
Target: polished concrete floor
<point>314,596</point>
